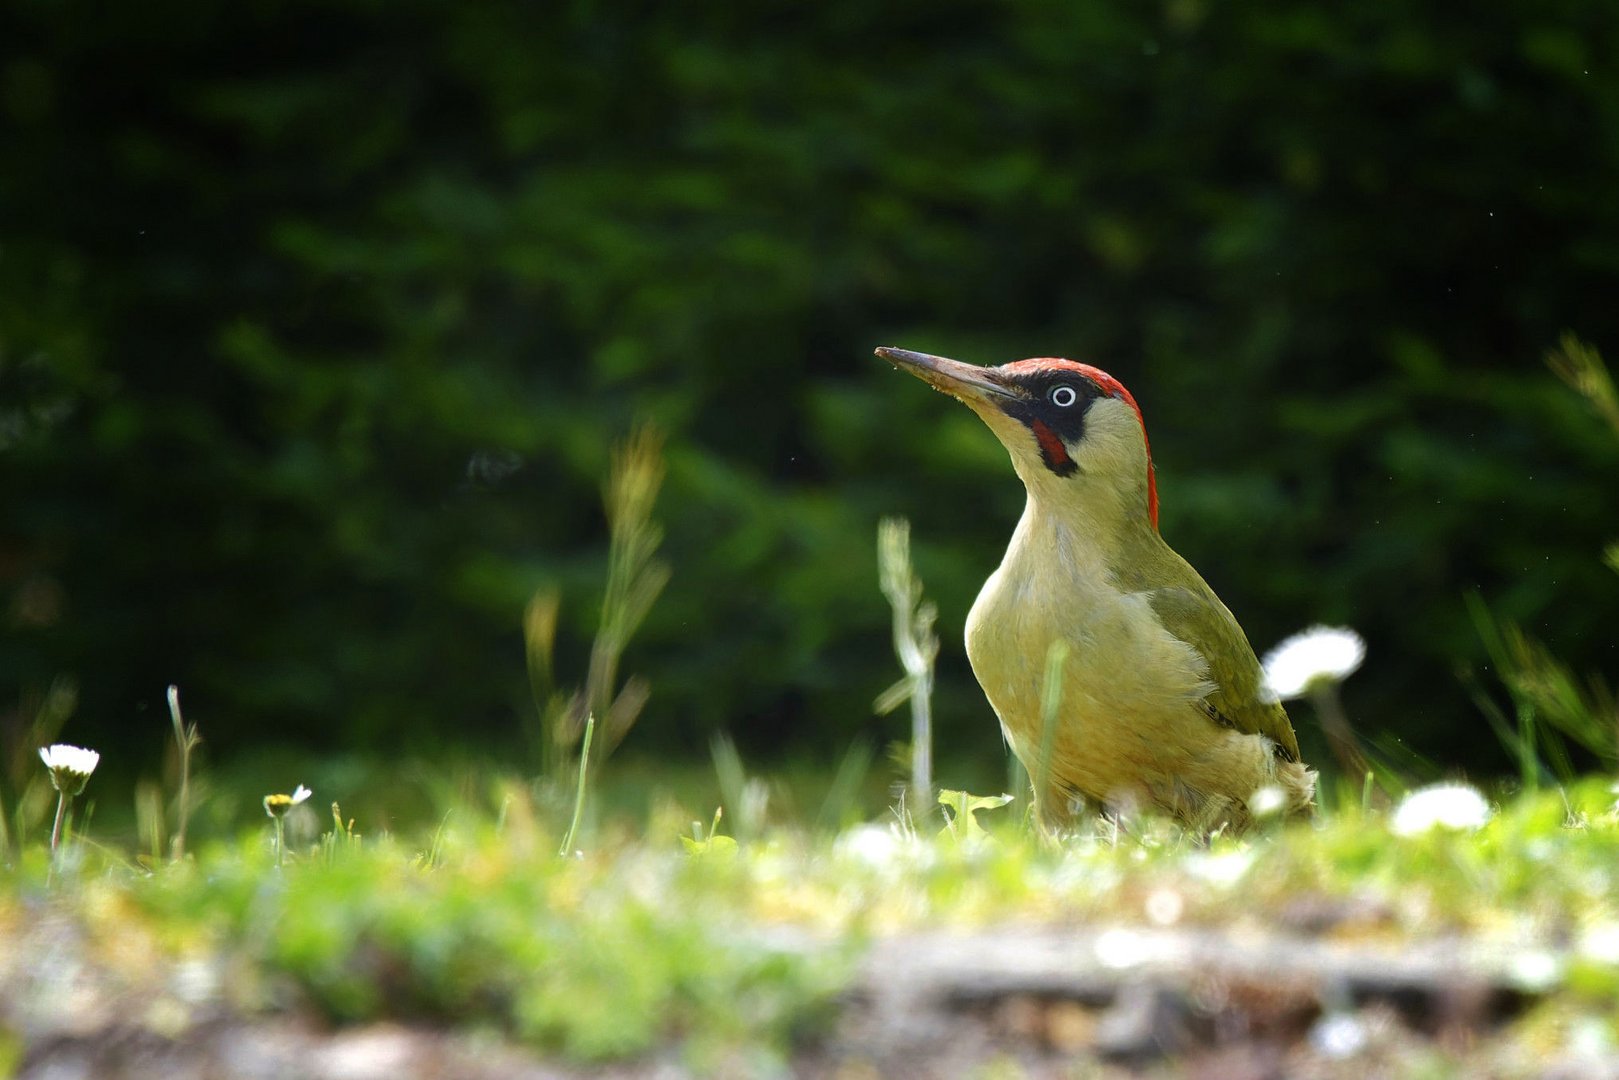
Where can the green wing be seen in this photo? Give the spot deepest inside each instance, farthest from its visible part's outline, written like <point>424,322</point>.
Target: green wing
<point>1195,615</point>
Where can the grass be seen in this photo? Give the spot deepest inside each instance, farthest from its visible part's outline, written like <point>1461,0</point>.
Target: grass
<point>641,943</point>
<point>916,646</point>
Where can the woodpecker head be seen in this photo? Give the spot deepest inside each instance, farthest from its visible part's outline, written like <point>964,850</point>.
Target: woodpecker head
<point>1073,430</point>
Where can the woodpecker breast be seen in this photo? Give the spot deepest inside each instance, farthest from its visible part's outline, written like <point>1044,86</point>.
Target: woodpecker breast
<point>1132,727</point>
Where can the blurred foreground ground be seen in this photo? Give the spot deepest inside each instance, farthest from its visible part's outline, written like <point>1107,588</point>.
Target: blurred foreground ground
<point>1304,1000</point>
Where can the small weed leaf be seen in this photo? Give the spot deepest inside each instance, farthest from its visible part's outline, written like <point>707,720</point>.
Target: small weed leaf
<point>962,805</point>
<point>721,847</point>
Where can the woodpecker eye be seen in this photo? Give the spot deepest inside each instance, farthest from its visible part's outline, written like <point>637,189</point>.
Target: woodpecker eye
<point>1063,396</point>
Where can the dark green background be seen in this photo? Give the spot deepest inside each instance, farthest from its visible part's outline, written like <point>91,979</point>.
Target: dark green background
<point>318,321</point>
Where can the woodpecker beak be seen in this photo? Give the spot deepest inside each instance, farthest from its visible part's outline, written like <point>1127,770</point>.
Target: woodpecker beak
<point>967,383</point>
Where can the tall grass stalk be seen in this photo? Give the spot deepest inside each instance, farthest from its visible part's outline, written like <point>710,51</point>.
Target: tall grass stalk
<point>550,705</point>
<point>186,739</point>
<point>1550,702</point>
<point>149,819</point>
<point>635,579</point>
<point>579,792</point>
<point>343,838</point>
<point>435,850</point>
<point>917,648</point>
<point>1582,368</point>
<point>1518,739</point>
<point>598,715</point>
<point>844,791</point>
<point>747,796</point>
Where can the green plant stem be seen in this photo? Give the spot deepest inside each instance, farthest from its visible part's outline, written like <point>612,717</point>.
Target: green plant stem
<point>1340,736</point>
<point>579,793</point>
<point>1528,763</point>
<point>922,740</point>
<point>184,740</point>
<point>56,830</point>
<point>280,843</point>
<point>917,648</point>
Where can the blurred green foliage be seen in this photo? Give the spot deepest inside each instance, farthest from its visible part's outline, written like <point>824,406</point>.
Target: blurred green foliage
<point>318,321</point>
<point>575,960</point>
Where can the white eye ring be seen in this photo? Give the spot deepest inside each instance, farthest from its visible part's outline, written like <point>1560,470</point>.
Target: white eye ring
<point>1063,396</point>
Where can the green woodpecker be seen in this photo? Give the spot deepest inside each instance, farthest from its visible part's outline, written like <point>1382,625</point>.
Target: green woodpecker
<point>1162,701</point>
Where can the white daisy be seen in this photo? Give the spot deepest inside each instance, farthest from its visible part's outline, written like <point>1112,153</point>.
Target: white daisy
<point>1440,806</point>
<point>70,766</point>
<point>876,846</point>
<point>1319,656</point>
<point>278,805</point>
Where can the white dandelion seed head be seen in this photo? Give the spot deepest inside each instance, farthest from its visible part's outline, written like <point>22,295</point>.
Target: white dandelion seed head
<point>1319,656</point>
<point>1440,806</point>
<point>70,766</point>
